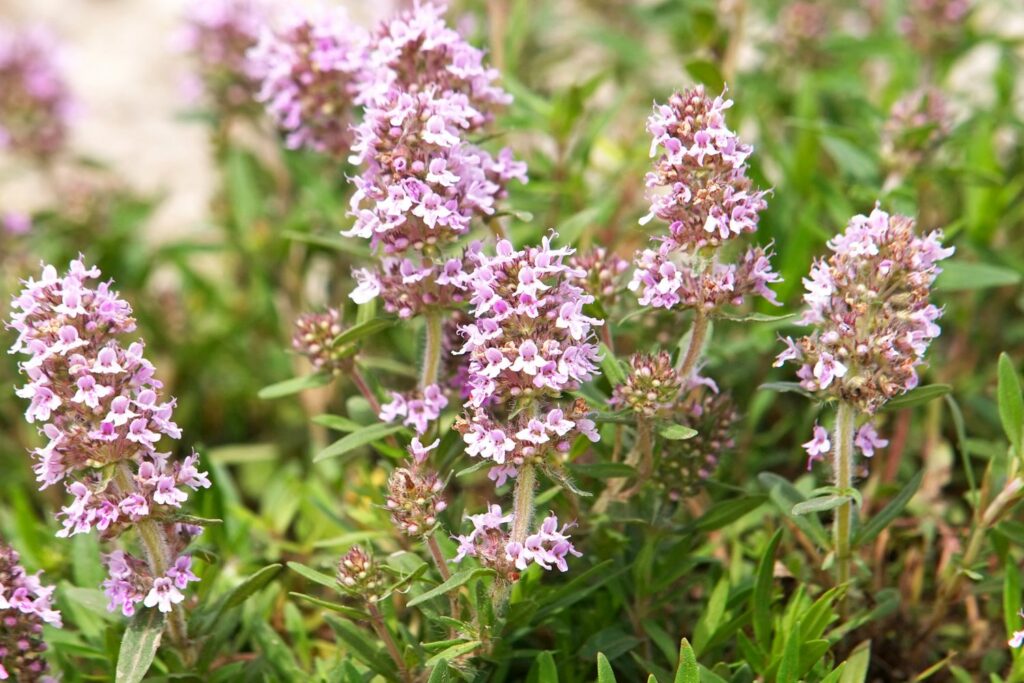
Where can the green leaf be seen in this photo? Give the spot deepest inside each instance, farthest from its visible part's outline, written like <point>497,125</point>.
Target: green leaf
<point>360,437</point>
<point>603,470</point>
<point>454,581</point>
<point>959,275</point>
<point>295,385</point>
<point>688,671</point>
<point>755,317</point>
<point>851,158</point>
<point>789,668</point>
<point>313,575</point>
<point>786,387</point>
<point>886,515</point>
<point>361,646</point>
<point>785,496</point>
<point>605,673</point>
<point>454,652</point>
<point>612,368</point>
<point>761,597</point>
<point>545,667</point>
<point>711,616</point>
<point>441,673</point>
<point>856,670</point>
<point>1011,404</point>
<point>350,612</point>
<point>677,432</point>
<point>338,423</point>
<point>819,504</point>
<point>139,645</point>
<point>918,396</point>
<point>366,329</point>
<point>252,584</point>
<point>726,512</point>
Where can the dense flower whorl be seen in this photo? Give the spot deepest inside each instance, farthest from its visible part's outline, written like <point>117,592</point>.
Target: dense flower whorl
<point>605,274</point>
<point>868,303</point>
<point>25,605</point>
<point>411,286</point>
<point>529,337</point>
<point>101,410</point>
<point>425,90</point>
<point>416,51</point>
<point>700,187</point>
<point>35,102</point>
<point>217,35</point>
<point>423,184</point>
<point>307,72</point>
<point>917,124</point>
<point>490,544</point>
<point>415,498</point>
<point>686,464</point>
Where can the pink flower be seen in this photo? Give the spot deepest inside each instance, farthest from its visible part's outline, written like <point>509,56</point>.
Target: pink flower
<point>163,595</point>
<point>867,440</point>
<point>419,451</point>
<point>818,447</point>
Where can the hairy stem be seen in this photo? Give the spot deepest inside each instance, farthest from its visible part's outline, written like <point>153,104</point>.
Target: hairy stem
<point>364,389</point>
<point>522,502</point>
<point>432,350</point>
<point>698,332</point>
<point>384,634</point>
<point>158,555</point>
<point>843,466</point>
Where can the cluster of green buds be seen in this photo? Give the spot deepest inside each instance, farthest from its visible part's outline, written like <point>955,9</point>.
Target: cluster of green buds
<point>314,338</point>
<point>687,464</point>
<point>359,575</point>
<point>414,500</point>
<point>652,385</point>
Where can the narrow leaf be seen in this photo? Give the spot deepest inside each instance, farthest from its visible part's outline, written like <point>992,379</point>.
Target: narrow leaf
<point>1011,404</point>
<point>605,673</point>
<point>761,598</point>
<point>360,437</point>
<point>688,671</point>
<point>677,432</point>
<point>139,646</point>
<point>918,396</point>
<point>252,584</point>
<point>891,511</point>
<point>819,504</point>
<point>294,386</point>
<point>454,581</point>
<point>313,575</point>
<point>366,329</point>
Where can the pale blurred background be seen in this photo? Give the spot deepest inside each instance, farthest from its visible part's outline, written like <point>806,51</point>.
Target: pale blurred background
<point>128,78</point>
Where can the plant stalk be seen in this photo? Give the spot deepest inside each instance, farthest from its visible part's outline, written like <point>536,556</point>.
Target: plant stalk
<point>432,350</point>
<point>522,502</point>
<point>698,332</point>
<point>158,556</point>
<point>389,642</point>
<point>843,466</point>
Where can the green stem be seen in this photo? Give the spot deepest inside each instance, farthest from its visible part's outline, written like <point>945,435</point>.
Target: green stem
<point>158,554</point>
<point>698,332</point>
<point>389,642</point>
<point>432,350</point>
<point>843,450</point>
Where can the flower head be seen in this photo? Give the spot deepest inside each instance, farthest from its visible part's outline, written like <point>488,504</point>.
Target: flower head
<point>314,338</point>
<point>35,102</point>
<point>25,606</point>
<point>359,575</point>
<point>868,305</point>
<point>652,385</point>
<point>307,71</point>
<point>217,34</point>
<point>687,464</point>
<point>100,410</point>
<point>699,186</point>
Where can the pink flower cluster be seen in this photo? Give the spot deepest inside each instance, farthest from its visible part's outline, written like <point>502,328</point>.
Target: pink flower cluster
<point>416,410</point>
<point>415,493</point>
<point>35,102</point>
<point>217,35</point>
<point>866,441</point>
<point>425,90</point>
<point>100,407</point>
<point>868,303</point>
<point>307,71</point>
<point>529,341</point>
<point>130,583</point>
<point>489,542</point>
<point>699,186</point>
<point>410,286</point>
<point>25,606</point>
